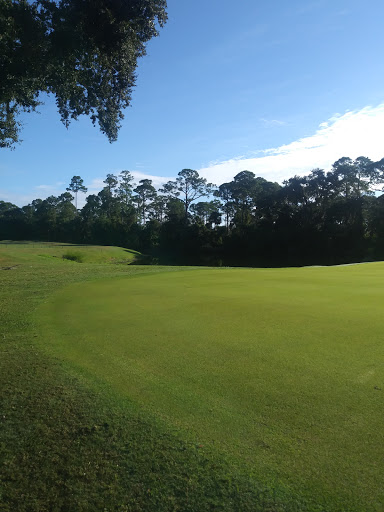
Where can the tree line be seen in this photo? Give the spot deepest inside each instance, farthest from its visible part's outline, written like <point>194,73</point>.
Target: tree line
<point>322,218</point>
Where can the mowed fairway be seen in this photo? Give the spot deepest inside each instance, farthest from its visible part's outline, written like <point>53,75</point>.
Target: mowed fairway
<point>280,369</point>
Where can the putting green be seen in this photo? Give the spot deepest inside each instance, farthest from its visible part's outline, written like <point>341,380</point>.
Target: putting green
<point>282,369</point>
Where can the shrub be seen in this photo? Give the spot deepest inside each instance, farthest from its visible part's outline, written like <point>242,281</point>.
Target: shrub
<point>74,256</point>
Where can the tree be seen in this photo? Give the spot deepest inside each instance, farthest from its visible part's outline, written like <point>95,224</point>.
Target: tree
<point>158,208</point>
<point>12,222</point>
<point>111,183</point>
<point>355,177</point>
<point>249,194</point>
<point>84,52</point>
<point>224,192</point>
<point>124,197</point>
<point>174,211</point>
<point>65,209</point>
<point>214,218</point>
<point>242,190</point>
<point>46,217</point>
<point>146,193</point>
<point>190,186</point>
<point>92,207</point>
<point>204,209</point>
<point>379,170</point>
<point>125,188</point>
<point>6,207</point>
<point>76,186</point>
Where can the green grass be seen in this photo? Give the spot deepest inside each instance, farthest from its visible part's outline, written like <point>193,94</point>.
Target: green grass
<point>280,370</point>
<point>70,444</point>
<point>71,252</point>
<point>134,388</point>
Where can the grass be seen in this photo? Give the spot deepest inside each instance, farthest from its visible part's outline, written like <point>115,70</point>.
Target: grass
<point>281,370</point>
<point>90,254</point>
<point>70,444</point>
<point>152,388</point>
<point>73,256</point>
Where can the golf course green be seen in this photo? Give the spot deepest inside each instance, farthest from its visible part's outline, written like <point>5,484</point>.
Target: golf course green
<point>278,370</point>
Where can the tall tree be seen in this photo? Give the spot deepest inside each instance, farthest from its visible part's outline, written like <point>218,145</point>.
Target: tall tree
<point>111,183</point>
<point>224,192</point>
<point>76,186</point>
<point>189,187</point>
<point>124,197</point>
<point>125,188</point>
<point>107,195</point>
<point>83,52</point>
<point>146,193</point>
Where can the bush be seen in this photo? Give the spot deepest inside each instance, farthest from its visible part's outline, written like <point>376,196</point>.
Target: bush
<point>74,256</point>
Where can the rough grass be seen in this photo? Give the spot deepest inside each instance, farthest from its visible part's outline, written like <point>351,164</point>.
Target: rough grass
<point>278,369</point>
<point>70,444</point>
<point>73,256</point>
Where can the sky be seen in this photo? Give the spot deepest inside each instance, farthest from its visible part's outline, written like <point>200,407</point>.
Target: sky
<point>277,88</point>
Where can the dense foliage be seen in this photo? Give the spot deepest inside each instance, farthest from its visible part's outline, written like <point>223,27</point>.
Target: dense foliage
<point>84,52</point>
<point>323,218</point>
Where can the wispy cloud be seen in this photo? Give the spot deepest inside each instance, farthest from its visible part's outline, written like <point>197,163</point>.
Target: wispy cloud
<point>37,192</point>
<point>15,198</point>
<point>54,189</point>
<point>309,7</point>
<point>353,134</point>
<point>273,122</point>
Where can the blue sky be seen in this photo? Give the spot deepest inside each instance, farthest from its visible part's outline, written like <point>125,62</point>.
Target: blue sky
<point>276,87</point>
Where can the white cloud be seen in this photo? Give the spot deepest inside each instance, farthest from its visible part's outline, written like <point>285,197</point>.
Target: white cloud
<point>352,134</point>
<point>95,186</point>
<point>157,181</point>
<point>17,199</point>
<point>38,192</point>
<point>53,190</point>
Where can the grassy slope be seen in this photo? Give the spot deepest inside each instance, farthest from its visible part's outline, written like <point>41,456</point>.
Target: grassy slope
<point>84,253</point>
<point>69,445</point>
<point>280,369</point>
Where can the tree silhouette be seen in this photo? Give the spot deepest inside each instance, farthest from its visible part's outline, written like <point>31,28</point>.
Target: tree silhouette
<point>146,193</point>
<point>189,187</point>
<point>76,186</point>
